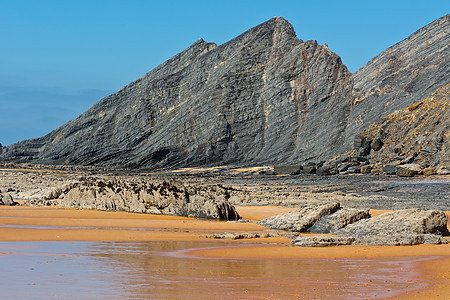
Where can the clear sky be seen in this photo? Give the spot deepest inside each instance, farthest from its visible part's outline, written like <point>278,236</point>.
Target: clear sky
<point>57,58</point>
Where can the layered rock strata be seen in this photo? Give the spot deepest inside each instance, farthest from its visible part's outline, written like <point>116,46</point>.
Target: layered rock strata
<point>265,97</point>
<point>300,219</point>
<point>356,227</point>
<point>402,75</point>
<point>145,197</point>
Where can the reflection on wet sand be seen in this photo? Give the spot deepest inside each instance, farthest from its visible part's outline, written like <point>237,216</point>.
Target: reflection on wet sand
<point>166,270</point>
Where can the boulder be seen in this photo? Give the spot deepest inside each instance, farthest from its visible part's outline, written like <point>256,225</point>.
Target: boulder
<point>7,199</point>
<point>442,171</point>
<point>376,144</point>
<point>339,219</point>
<point>376,171</point>
<point>333,171</point>
<point>309,169</point>
<point>364,151</point>
<point>301,219</point>
<point>352,170</point>
<point>390,170</point>
<point>343,167</point>
<point>287,169</point>
<point>413,167</point>
<point>403,172</point>
<point>359,141</point>
<point>40,202</point>
<point>401,227</point>
<point>429,171</point>
<point>366,169</point>
<point>408,160</point>
<point>323,171</point>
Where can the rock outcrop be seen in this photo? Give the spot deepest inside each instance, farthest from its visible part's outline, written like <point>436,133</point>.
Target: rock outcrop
<point>339,219</point>
<point>145,197</point>
<point>301,219</point>
<point>350,226</point>
<point>265,97</point>
<point>401,227</point>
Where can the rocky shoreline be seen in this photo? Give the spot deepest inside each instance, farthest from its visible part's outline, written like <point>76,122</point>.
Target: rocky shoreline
<point>336,205</point>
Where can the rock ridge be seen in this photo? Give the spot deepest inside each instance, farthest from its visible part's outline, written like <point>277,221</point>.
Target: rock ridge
<point>265,97</point>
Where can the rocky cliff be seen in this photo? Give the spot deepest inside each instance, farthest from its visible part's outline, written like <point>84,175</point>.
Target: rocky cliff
<point>402,75</point>
<point>265,97</point>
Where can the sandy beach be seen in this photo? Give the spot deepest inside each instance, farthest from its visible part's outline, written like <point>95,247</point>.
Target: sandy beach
<point>429,263</point>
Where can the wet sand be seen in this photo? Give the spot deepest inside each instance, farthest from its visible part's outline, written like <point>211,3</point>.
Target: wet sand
<point>258,268</point>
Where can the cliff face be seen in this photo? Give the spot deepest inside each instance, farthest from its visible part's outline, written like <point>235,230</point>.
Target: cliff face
<point>265,97</point>
<point>402,75</point>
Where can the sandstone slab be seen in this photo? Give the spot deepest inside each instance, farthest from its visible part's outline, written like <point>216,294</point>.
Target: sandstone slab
<point>301,219</point>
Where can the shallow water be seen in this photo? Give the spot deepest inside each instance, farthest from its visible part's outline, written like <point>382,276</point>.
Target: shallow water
<point>115,270</point>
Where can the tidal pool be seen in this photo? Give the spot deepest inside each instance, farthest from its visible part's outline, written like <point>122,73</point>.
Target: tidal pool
<point>142,270</point>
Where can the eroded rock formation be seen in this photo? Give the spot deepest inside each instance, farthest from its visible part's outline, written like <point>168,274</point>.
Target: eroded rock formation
<point>146,197</point>
<point>356,227</point>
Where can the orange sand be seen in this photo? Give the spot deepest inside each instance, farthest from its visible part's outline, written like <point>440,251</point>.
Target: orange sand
<point>89,225</point>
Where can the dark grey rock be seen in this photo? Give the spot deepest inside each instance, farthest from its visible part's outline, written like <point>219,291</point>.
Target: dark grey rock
<point>376,144</point>
<point>359,141</point>
<point>287,169</point>
<point>428,151</point>
<point>298,172</point>
<point>361,159</point>
<point>343,167</point>
<point>390,170</point>
<point>323,171</point>
<point>409,160</point>
<point>309,169</point>
<point>364,151</point>
<point>301,219</point>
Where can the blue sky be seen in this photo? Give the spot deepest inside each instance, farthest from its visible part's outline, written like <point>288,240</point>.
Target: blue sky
<point>57,58</point>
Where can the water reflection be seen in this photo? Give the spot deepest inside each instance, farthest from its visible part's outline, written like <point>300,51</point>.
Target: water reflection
<point>94,270</point>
